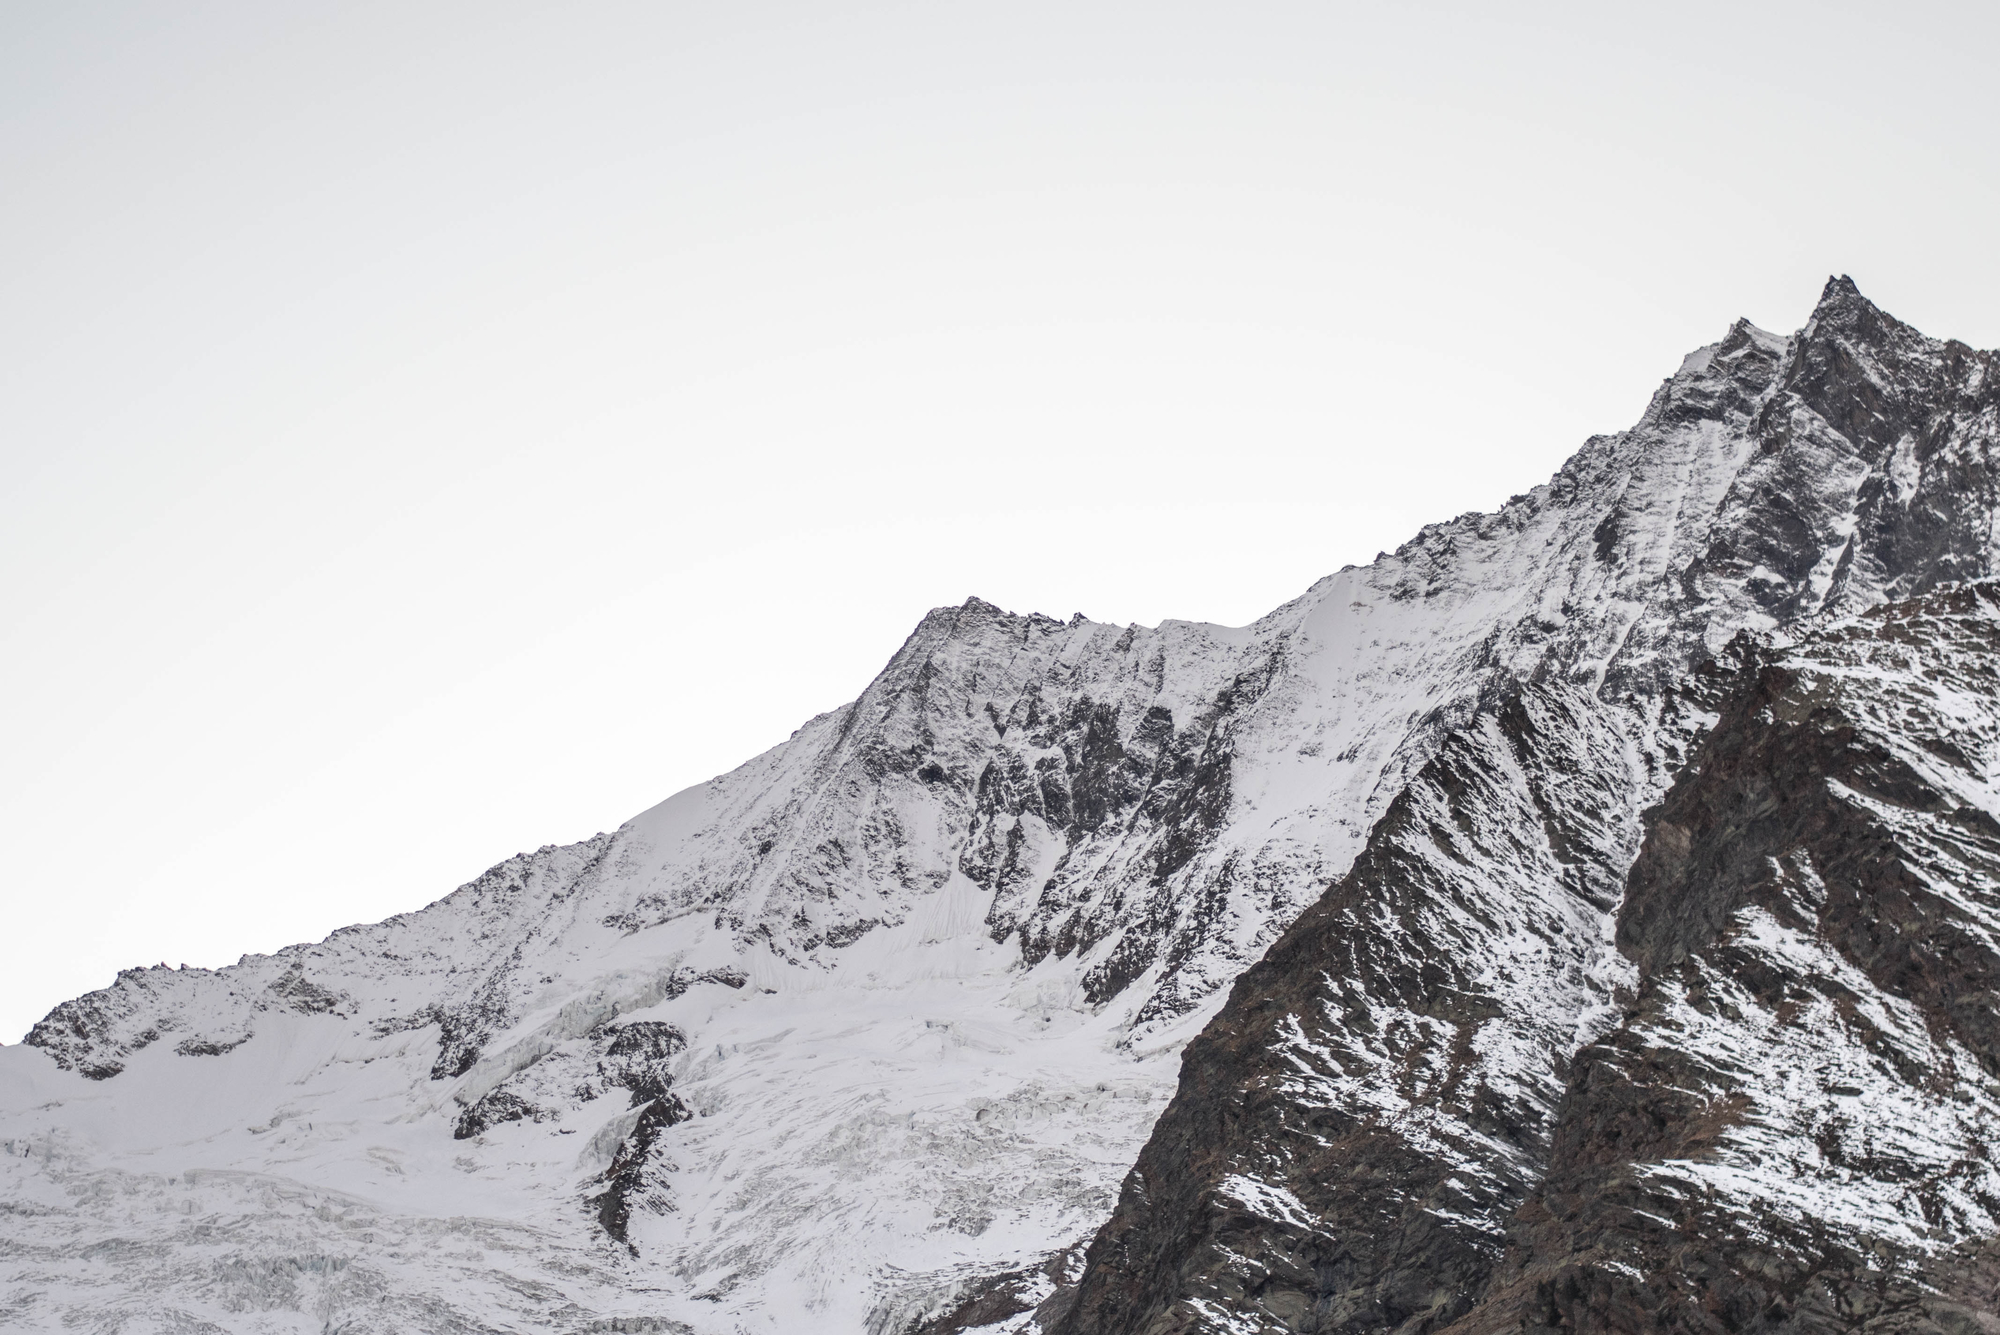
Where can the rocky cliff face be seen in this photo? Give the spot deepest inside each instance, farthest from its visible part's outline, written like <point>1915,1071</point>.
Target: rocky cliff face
<point>1791,1127</point>
<point>1407,1076</point>
<point>1353,1130</point>
<point>865,1034</point>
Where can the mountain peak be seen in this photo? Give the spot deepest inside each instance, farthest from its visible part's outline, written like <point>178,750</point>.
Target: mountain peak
<point>1840,290</point>
<point>1846,316</point>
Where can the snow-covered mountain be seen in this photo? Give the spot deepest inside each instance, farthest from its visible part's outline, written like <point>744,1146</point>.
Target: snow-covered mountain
<point>866,1034</point>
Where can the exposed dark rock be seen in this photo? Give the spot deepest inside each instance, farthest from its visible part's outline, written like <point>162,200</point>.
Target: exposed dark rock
<point>637,1059</point>
<point>635,1177</point>
<point>464,1030</point>
<point>299,993</point>
<point>496,1107</point>
<point>462,1035</point>
<point>75,1030</point>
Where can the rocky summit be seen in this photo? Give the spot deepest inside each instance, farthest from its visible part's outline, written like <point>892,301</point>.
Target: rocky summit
<point>1586,917</point>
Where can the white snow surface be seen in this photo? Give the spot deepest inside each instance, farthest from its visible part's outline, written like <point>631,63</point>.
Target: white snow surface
<point>932,970</point>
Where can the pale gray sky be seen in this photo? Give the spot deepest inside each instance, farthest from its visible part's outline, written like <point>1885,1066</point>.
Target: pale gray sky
<point>436,430</point>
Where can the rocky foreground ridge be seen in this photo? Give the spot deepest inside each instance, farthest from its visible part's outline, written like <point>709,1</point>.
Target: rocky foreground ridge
<point>1785,1124</point>
<point>1577,919</point>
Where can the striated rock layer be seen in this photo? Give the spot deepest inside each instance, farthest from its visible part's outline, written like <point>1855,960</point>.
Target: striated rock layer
<point>864,1035</point>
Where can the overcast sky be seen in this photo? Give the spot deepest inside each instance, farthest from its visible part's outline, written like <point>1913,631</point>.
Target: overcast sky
<point>433,431</point>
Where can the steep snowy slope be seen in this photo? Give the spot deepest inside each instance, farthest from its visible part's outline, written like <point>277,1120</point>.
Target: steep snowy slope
<point>874,1026</point>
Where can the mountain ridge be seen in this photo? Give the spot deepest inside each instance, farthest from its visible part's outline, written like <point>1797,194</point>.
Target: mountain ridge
<point>922,974</point>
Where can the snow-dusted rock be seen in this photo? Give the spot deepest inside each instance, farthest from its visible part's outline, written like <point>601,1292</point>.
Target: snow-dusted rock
<point>1791,1126</point>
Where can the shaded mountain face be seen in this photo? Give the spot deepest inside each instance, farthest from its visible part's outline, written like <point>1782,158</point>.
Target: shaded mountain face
<point>1785,1124</point>
<point>866,1034</point>
<point>1791,1128</point>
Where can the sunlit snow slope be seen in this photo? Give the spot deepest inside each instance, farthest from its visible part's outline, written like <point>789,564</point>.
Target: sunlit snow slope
<point>835,1039</point>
